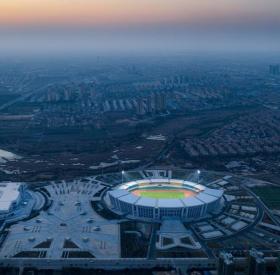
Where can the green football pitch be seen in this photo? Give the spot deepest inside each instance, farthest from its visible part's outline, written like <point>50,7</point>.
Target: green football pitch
<point>164,194</point>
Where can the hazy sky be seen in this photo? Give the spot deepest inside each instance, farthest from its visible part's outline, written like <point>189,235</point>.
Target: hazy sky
<point>111,12</point>
<point>180,24</point>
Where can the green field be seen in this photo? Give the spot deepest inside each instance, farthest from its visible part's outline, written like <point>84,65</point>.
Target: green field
<point>269,195</point>
<point>162,194</point>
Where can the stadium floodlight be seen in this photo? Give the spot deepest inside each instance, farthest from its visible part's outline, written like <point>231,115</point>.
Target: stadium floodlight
<point>198,173</point>
<point>122,175</point>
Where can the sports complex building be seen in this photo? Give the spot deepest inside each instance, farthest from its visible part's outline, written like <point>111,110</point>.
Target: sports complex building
<point>159,198</point>
<point>11,194</point>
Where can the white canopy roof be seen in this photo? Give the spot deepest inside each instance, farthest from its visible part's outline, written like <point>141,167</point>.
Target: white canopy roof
<point>9,192</point>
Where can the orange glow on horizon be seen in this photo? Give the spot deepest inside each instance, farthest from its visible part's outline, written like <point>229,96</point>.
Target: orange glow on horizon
<point>111,12</point>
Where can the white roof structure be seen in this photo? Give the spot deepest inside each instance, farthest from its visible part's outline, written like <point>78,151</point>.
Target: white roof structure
<point>204,194</point>
<point>212,234</point>
<point>206,228</point>
<point>239,225</point>
<point>191,201</point>
<point>119,192</point>
<point>129,198</point>
<point>9,193</point>
<point>170,203</point>
<point>146,202</point>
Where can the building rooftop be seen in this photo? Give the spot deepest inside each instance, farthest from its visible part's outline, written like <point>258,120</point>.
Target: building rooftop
<point>9,192</point>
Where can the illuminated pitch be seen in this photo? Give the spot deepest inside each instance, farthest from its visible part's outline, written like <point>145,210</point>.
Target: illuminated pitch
<point>158,198</point>
<point>161,193</point>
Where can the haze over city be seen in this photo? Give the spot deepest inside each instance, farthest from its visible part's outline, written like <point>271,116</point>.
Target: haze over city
<point>139,137</point>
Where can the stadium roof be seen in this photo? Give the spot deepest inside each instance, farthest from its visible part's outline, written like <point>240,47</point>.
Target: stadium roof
<point>170,203</point>
<point>129,198</point>
<point>146,202</point>
<point>191,201</point>
<point>204,194</point>
<point>119,192</point>
<point>214,192</point>
<point>206,198</point>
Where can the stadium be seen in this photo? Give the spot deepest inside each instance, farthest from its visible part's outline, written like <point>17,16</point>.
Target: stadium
<point>160,198</point>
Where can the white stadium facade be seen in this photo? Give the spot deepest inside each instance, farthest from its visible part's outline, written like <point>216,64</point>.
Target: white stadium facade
<point>155,199</point>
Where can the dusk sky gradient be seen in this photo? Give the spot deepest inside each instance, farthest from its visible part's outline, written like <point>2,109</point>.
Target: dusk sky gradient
<point>111,12</point>
<point>181,24</point>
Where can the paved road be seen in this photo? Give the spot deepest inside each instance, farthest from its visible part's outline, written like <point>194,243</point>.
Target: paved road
<point>267,210</point>
<point>12,102</point>
<point>152,245</point>
<point>114,264</point>
<point>23,97</point>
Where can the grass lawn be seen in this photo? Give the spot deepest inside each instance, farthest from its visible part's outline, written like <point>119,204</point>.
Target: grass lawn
<point>269,195</point>
<point>158,194</point>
